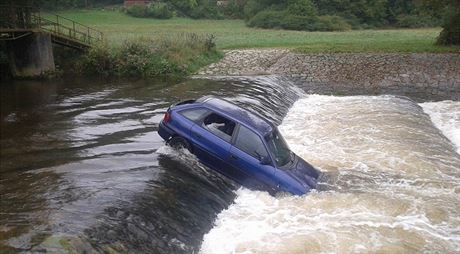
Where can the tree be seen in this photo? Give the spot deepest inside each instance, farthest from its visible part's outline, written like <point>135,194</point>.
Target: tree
<point>450,34</point>
<point>301,8</point>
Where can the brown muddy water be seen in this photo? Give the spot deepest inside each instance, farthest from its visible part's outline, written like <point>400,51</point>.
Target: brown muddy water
<point>83,169</point>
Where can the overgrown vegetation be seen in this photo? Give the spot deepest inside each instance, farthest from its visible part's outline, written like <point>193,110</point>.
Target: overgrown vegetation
<point>177,55</point>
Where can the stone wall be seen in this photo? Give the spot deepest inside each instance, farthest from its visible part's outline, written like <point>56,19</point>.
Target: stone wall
<point>422,75</point>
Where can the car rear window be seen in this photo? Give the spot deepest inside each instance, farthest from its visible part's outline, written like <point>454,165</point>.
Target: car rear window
<point>195,114</point>
<point>219,126</point>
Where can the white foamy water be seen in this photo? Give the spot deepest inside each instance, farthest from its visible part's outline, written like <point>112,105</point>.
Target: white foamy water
<point>393,185</point>
<point>446,117</point>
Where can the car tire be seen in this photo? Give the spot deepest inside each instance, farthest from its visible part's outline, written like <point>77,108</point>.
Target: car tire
<point>178,142</point>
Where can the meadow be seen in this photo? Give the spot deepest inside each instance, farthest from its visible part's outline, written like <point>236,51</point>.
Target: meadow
<point>233,34</point>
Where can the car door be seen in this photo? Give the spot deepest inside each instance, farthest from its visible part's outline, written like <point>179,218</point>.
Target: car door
<point>211,139</point>
<point>245,156</point>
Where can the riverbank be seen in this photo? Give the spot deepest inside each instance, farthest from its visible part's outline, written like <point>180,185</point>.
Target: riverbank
<point>420,74</point>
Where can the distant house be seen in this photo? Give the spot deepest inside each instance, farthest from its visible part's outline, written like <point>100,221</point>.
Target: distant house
<point>129,3</point>
<point>222,3</point>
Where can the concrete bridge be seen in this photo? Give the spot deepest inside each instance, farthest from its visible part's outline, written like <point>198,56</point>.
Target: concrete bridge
<point>29,35</point>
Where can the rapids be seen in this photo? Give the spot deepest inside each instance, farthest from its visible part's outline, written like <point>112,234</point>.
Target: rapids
<point>82,167</point>
<point>393,182</point>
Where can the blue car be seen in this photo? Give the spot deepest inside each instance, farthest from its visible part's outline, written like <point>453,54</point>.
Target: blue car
<point>237,143</point>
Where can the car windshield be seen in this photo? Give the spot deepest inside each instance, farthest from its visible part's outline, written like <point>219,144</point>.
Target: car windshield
<point>278,148</point>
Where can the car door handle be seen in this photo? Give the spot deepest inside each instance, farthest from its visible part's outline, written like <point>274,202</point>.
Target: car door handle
<point>197,135</point>
<point>233,157</point>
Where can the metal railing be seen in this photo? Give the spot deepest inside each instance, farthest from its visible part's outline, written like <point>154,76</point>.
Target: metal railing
<point>30,18</point>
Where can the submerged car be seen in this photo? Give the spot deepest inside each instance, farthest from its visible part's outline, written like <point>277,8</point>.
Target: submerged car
<point>237,143</point>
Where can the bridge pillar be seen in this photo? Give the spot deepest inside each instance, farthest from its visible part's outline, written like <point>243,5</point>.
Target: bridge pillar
<point>31,56</point>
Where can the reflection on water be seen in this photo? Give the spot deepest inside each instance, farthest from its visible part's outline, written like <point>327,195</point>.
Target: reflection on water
<point>82,166</point>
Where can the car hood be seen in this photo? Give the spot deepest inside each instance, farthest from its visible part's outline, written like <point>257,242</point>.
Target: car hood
<point>304,172</point>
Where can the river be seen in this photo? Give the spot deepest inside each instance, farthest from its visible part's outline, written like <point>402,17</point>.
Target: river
<point>82,168</point>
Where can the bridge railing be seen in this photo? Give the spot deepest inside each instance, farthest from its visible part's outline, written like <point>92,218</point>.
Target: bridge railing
<point>67,28</point>
<point>26,17</point>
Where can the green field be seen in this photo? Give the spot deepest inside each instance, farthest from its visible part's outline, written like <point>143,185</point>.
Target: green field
<point>231,34</point>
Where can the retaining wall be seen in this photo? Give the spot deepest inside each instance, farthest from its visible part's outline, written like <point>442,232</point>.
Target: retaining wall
<point>421,75</point>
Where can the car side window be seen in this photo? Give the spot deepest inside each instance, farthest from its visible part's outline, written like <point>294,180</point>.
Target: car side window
<point>194,114</point>
<point>249,142</point>
<point>220,126</point>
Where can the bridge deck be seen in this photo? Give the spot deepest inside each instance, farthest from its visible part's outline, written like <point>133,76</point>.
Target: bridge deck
<point>18,21</point>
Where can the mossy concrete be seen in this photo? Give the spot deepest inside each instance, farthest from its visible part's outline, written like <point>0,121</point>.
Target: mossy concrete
<point>31,56</point>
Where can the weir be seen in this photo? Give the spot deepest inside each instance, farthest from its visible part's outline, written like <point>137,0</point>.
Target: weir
<point>29,37</point>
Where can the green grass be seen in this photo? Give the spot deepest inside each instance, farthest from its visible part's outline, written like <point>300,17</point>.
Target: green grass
<point>232,34</point>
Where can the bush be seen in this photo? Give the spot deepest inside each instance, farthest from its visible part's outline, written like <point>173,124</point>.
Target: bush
<point>159,11</point>
<point>281,19</point>
<point>332,23</point>
<point>234,10</point>
<point>206,11</point>
<point>416,21</point>
<point>175,55</point>
<point>251,8</point>
<point>267,19</point>
<point>301,8</point>
<point>155,10</point>
<point>137,11</point>
<point>99,60</point>
<point>295,22</point>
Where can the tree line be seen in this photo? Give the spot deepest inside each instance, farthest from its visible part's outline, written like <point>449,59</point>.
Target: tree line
<point>307,15</point>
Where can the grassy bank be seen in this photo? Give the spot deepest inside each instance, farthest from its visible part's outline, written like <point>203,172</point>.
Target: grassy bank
<point>231,34</point>
<point>176,55</point>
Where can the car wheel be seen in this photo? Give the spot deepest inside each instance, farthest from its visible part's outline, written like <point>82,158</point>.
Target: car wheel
<point>179,143</point>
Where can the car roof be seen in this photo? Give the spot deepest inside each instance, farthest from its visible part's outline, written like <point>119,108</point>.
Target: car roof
<point>242,115</point>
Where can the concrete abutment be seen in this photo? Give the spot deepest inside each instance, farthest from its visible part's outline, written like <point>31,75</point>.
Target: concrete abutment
<point>31,56</point>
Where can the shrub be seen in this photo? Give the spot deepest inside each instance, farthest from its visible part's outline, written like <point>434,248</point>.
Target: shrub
<point>206,11</point>
<point>267,19</point>
<point>137,11</point>
<point>280,19</point>
<point>234,10</point>
<point>332,23</point>
<point>175,55</point>
<point>295,22</point>
<point>99,60</point>
<point>253,7</point>
<point>156,10</point>
<point>159,11</point>
<point>416,21</point>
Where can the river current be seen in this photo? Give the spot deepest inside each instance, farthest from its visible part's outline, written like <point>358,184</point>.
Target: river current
<point>82,168</point>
